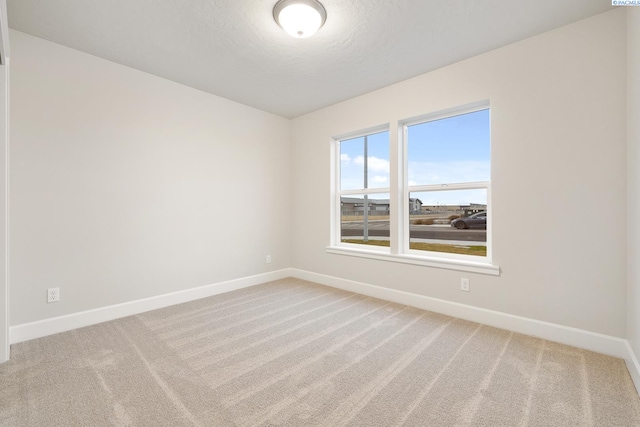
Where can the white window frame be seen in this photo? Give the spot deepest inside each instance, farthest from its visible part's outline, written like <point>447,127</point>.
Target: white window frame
<point>338,193</point>
<point>407,189</point>
<point>399,192</point>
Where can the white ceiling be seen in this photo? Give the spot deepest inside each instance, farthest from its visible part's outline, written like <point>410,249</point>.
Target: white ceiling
<point>234,49</point>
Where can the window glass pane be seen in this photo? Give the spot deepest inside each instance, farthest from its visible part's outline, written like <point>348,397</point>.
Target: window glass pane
<point>353,162</point>
<point>451,150</point>
<point>364,219</point>
<point>449,221</point>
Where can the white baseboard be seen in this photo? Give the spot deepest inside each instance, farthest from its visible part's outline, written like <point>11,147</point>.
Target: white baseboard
<point>599,343</point>
<point>633,365</point>
<point>41,328</point>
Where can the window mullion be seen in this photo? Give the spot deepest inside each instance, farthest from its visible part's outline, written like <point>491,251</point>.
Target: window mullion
<point>396,178</point>
<point>334,206</point>
<point>364,191</point>
<point>452,186</point>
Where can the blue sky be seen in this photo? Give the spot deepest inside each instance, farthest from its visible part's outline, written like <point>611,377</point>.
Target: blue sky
<point>455,149</point>
<point>352,161</point>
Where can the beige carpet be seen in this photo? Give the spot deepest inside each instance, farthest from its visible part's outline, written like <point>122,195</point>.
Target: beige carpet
<point>295,353</point>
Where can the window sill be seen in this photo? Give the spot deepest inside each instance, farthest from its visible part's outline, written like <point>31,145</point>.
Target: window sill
<point>451,264</point>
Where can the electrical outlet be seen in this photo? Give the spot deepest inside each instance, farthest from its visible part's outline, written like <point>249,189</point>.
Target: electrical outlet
<point>268,259</point>
<point>53,295</point>
<point>464,284</point>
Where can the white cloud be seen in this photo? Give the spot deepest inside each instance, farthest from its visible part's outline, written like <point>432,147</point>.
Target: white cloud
<point>344,158</point>
<point>375,164</point>
<point>426,173</point>
<point>380,179</point>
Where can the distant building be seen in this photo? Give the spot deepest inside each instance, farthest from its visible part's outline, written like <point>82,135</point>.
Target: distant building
<point>415,206</point>
<point>474,208</point>
<point>442,208</point>
<point>355,205</point>
<point>464,210</point>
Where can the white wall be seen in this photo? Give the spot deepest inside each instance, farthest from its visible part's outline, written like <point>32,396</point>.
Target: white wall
<point>4,143</point>
<point>125,185</point>
<point>558,176</point>
<point>633,185</point>
<point>4,286</point>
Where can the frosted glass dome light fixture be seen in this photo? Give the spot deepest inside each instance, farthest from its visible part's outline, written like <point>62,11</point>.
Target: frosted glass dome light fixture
<point>300,18</point>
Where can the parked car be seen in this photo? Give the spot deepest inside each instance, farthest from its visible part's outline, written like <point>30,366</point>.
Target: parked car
<point>477,220</point>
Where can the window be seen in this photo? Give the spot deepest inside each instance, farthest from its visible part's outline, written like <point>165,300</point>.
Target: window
<point>431,206</point>
<point>364,189</point>
<point>448,175</point>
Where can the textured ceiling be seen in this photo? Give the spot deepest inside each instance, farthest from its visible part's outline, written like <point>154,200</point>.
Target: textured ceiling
<point>234,49</point>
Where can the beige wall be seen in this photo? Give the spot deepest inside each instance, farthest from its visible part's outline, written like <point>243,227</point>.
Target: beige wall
<point>4,286</point>
<point>633,189</point>
<point>558,139</point>
<point>4,144</point>
<point>125,185</point>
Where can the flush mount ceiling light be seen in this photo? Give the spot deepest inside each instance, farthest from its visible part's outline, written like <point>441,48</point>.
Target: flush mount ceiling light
<point>300,18</point>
